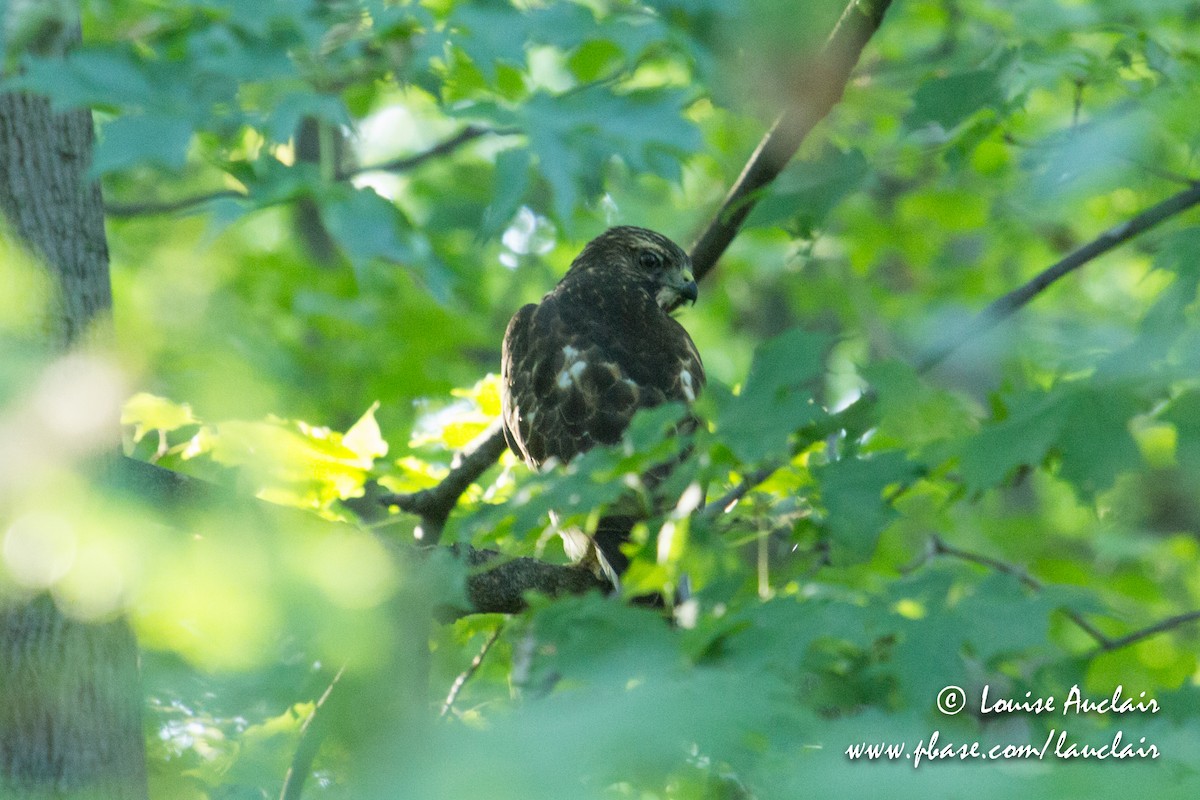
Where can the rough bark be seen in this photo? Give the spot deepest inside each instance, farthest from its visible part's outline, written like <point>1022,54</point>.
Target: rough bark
<point>53,212</point>
<point>70,711</point>
<point>70,705</point>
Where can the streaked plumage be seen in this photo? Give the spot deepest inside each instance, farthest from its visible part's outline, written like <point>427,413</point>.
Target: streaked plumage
<point>601,345</point>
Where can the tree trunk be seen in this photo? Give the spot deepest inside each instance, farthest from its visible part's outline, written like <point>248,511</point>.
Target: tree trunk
<point>46,204</point>
<point>70,708</point>
<point>70,704</point>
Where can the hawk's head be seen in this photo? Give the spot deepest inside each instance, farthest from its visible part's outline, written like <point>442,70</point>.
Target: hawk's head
<point>647,258</point>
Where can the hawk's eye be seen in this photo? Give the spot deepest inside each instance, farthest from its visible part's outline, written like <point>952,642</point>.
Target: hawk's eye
<point>650,259</point>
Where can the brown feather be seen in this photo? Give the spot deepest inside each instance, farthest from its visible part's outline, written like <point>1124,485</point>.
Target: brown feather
<point>576,367</point>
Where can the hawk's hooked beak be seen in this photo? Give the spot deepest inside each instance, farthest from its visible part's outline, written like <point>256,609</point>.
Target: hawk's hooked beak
<point>689,291</point>
<point>681,287</point>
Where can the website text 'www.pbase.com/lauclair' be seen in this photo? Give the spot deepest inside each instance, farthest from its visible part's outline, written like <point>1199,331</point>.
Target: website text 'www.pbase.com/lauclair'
<point>1058,744</point>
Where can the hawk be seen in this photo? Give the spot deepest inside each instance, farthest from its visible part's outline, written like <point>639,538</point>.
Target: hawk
<point>576,367</point>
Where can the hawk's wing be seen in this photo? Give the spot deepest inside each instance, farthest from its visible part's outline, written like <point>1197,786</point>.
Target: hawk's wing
<point>515,389</point>
<point>573,376</point>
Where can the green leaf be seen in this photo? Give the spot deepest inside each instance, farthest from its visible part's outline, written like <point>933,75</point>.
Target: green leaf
<point>1184,414</point>
<point>593,59</point>
<point>1002,617</point>
<point>776,399</point>
<point>1023,438</point>
<point>137,140</point>
<point>368,227</point>
<point>754,633</point>
<point>913,413</point>
<point>1095,443</point>
<point>852,491</point>
<point>947,101</point>
<point>1166,318</point>
<point>575,135</point>
<point>808,190</point>
<point>498,33</point>
<point>290,109</point>
<point>364,438</point>
<point>91,77</point>
<point>147,412</point>
<point>510,186</point>
<point>1087,425</point>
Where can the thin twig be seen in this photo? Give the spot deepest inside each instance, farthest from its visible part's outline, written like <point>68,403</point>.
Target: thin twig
<point>1165,174</point>
<point>1167,624</point>
<point>1104,644</point>
<point>407,163</point>
<point>939,547</point>
<point>1010,303</point>
<point>831,73</point>
<point>1077,106</point>
<point>467,134</point>
<point>731,498</point>
<point>312,732</point>
<point>153,207</point>
<point>470,671</point>
<point>847,418</point>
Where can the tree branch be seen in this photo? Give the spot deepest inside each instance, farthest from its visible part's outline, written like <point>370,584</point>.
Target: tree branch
<point>838,57</point>
<point>1167,624</point>
<point>731,498</point>
<point>434,505</point>
<point>312,733</point>
<point>494,584</point>
<point>1104,643</point>
<point>407,163</point>
<point>501,589</point>
<point>154,207</point>
<point>470,671</point>
<point>1010,303</point>
<point>939,547</point>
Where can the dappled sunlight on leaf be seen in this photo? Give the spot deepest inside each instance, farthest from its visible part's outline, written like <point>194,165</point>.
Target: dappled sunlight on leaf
<point>454,426</point>
<point>290,463</point>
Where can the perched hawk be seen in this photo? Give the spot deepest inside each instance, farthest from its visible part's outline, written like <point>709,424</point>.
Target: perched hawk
<point>601,345</point>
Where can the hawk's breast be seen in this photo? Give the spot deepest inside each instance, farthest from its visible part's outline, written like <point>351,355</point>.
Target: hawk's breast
<point>578,366</point>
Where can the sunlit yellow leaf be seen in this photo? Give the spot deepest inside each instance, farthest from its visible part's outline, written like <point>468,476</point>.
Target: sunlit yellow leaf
<point>148,412</point>
<point>364,437</point>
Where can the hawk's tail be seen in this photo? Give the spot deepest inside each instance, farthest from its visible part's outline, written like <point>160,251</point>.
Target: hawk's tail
<point>612,531</point>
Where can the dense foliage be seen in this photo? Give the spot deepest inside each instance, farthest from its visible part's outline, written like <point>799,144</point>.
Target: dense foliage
<point>322,215</point>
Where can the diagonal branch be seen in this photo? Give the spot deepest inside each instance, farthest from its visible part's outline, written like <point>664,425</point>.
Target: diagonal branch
<point>832,70</point>
<point>312,733</point>
<point>154,207</point>
<point>406,163</point>
<point>1012,302</point>
<point>1170,623</point>
<point>858,23</point>
<point>470,671</point>
<point>1009,304</point>
<point>939,547</point>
